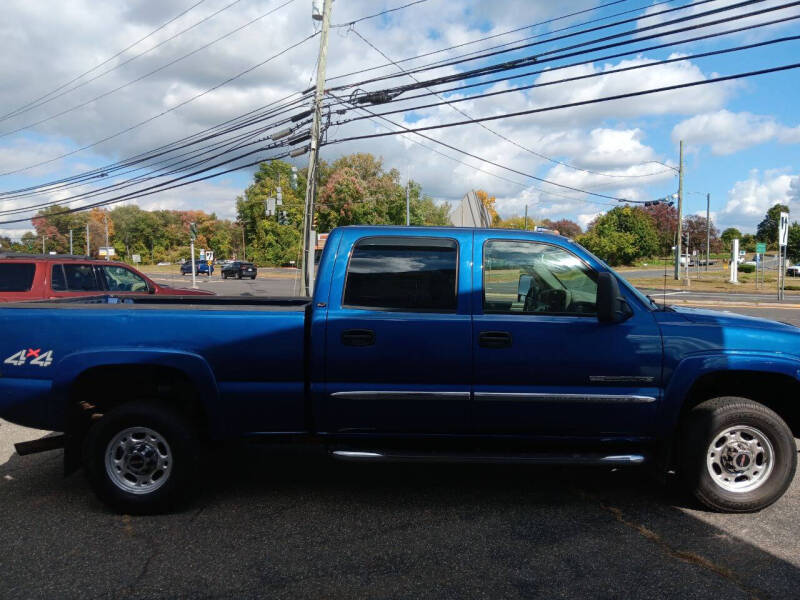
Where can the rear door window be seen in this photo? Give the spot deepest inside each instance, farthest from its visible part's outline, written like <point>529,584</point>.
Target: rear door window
<point>57,281</point>
<point>81,278</point>
<point>16,277</point>
<point>403,274</point>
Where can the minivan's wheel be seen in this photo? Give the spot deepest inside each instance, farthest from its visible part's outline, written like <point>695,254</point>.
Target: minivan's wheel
<point>737,455</point>
<point>140,458</point>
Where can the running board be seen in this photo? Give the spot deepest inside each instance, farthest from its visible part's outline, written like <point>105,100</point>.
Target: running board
<point>539,459</point>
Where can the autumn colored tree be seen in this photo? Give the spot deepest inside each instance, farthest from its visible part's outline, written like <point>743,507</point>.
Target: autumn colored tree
<point>665,220</point>
<point>695,228</point>
<point>565,227</point>
<point>489,203</point>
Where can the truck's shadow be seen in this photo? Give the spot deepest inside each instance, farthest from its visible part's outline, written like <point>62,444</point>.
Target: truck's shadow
<point>294,526</point>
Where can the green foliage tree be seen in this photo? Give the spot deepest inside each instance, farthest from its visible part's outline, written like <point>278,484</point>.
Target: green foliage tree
<point>748,242</point>
<point>622,235</point>
<point>767,230</point>
<point>793,242</point>
<point>727,237</point>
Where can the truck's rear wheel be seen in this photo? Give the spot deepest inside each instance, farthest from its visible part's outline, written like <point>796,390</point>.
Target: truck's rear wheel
<point>140,458</point>
<point>737,455</point>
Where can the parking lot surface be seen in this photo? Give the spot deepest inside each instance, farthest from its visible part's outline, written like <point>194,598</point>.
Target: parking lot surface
<point>298,526</point>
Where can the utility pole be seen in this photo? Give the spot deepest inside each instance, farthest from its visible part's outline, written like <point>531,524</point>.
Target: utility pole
<point>105,219</point>
<point>408,210</point>
<point>307,268</point>
<point>708,230</point>
<point>70,241</point>
<point>87,239</point>
<point>680,217</point>
<point>44,237</point>
<point>525,224</point>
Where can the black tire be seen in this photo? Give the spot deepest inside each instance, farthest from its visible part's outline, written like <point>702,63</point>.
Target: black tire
<point>708,421</point>
<point>253,277</point>
<point>183,446</point>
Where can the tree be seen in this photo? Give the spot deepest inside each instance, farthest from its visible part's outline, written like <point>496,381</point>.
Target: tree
<point>488,202</point>
<point>793,242</point>
<point>767,230</point>
<point>727,237</point>
<point>516,223</point>
<point>622,235</point>
<point>565,227</point>
<point>665,219</point>
<point>695,228</point>
<point>747,242</point>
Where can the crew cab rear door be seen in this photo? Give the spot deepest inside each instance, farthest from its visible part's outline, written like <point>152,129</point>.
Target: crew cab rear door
<point>543,362</point>
<point>397,349</point>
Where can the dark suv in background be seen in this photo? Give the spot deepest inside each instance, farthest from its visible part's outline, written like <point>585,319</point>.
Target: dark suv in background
<point>239,270</point>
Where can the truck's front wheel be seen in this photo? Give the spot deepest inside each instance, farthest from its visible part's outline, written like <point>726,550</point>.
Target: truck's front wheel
<point>737,455</point>
<point>140,458</point>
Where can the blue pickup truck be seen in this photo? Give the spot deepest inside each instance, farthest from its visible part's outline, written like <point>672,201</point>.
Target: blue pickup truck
<point>419,344</point>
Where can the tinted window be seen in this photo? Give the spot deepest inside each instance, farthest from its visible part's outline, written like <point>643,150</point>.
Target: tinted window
<point>57,281</point>
<point>402,274</point>
<point>529,277</point>
<point>120,279</point>
<point>16,277</point>
<point>81,278</point>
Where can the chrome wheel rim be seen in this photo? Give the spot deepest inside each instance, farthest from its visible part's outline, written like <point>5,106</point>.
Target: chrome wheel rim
<point>138,460</point>
<point>740,458</point>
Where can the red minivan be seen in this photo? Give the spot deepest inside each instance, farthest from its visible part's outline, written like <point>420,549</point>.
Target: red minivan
<point>41,277</point>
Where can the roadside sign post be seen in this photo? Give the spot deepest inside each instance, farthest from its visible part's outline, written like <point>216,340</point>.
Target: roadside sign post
<point>192,236</point>
<point>761,248</point>
<point>783,238</point>
<point>734,261</point>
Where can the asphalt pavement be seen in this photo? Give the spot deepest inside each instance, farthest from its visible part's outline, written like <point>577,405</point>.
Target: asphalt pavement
<point>300,526</point>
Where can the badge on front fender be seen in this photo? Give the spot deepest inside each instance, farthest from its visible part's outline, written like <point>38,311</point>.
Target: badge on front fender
<point>38,358</point>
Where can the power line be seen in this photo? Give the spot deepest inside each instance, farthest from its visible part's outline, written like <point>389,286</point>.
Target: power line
<point>568,105</point>
<point>550,69</point>
<point>552,55</point>
<point>497,133</point>
<point>142,77</point>
<point>439,64</point>
<point>590,76</point>
<point>106,61</point>
<point>169,110</point>
<point>451,147</point>
<point>489,37</point>
<point>384,12</point>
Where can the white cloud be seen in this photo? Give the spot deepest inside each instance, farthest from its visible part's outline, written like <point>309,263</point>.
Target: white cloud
<point>727,132</point>
<point>749,199</point>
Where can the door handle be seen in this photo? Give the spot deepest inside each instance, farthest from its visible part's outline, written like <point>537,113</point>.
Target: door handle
<point>358,337</point>
<point>494,339</point>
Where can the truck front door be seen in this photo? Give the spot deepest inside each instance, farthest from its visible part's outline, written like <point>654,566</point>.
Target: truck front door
<point>544,364</point>
<point>397,348</point>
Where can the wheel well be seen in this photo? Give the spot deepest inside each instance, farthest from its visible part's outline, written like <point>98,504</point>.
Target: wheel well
<point>779,392</point>
<point>99,389</point>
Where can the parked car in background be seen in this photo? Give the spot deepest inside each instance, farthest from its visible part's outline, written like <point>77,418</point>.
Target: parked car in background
<point>239,270</point>
<point>44,276</point>
<point>201,267</point>
<point>793,270</point>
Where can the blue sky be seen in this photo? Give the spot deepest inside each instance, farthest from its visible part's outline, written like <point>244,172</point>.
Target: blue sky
<point>741,138</point>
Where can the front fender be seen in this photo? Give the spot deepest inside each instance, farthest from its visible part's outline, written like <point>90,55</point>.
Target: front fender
<point>691,368</point>
<point>193,366</point>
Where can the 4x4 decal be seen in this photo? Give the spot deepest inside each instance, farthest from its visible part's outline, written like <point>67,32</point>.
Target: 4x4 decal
<point>38,358</point>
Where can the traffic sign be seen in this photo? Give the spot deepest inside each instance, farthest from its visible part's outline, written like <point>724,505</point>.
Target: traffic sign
<point>137,258</point>
<point>761,247</point>
<point>783,231</point>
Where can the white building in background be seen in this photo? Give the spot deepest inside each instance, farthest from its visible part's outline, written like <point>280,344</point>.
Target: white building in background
<point>470,212</point>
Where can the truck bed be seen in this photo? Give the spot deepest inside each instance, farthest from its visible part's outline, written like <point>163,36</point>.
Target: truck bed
<point>245,355</point>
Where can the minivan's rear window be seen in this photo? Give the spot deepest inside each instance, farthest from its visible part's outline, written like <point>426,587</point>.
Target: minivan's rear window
<point>16,277</point>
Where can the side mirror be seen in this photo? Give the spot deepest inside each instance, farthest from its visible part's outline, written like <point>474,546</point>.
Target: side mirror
<point>611,306</point>
<point>523,287</point>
